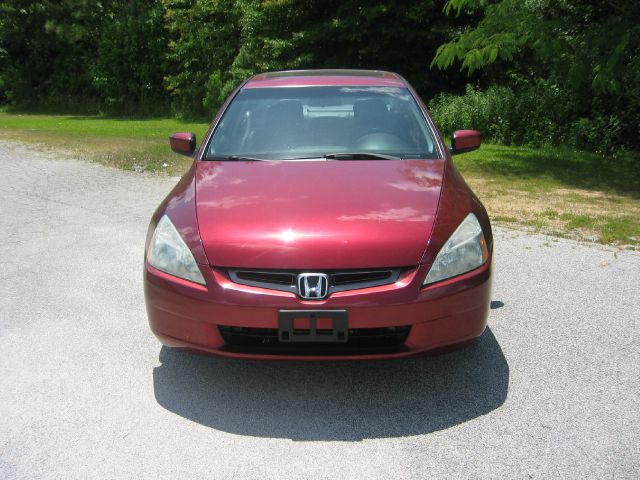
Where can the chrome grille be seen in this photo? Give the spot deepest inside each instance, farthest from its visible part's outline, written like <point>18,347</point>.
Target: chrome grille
<point>339,280</point>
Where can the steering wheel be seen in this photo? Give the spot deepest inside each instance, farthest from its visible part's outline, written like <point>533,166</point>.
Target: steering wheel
<point>372,130</point>
<point>378,139</point>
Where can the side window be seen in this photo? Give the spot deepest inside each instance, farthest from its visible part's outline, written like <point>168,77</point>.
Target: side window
<point>226,130</point>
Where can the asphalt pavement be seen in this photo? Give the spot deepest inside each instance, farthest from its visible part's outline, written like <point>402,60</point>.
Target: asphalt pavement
<point>86,391</point>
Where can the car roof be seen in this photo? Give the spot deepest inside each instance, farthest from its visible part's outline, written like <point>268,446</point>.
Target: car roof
<point>308,78</point>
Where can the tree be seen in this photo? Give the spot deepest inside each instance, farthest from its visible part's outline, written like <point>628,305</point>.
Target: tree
<point>204,38</point>
<point>130,58</point>
<point>589,50</point>
<point>580,40</point>
<point>44,45</point>
<point>397,35</point>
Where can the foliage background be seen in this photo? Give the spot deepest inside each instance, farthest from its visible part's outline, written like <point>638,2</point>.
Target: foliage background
<point>536,72</point>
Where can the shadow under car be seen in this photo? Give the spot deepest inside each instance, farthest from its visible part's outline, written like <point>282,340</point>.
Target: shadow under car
<point>322,401</point>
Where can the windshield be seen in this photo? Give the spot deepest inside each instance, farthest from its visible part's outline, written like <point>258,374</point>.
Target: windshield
<point>311,122</point>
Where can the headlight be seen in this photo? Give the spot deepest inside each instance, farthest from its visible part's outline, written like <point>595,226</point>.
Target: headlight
<point>169,253</point>
<point>465,250</point>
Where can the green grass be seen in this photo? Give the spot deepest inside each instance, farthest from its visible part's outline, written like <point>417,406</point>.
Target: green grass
<point>143,129</point>
<point>132,144</point>
<point>539,170</point>
<point>558,191</point>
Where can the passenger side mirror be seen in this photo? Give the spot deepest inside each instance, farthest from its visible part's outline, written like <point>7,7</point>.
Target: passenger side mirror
<point>183,143</point>
<point>465,141</point>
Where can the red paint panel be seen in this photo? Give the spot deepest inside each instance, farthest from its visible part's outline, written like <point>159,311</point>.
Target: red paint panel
<point>302,323</point>
<point>183,143</point>
<point>464,140</point>
<point>324,323</point>
<point>441,315</point>
<point>317,214</point>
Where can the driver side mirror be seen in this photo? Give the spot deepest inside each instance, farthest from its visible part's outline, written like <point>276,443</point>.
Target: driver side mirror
<point>183,143</point>
<point>465,141</point>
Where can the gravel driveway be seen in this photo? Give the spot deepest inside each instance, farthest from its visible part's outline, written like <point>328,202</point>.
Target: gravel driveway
<point>550,390</point>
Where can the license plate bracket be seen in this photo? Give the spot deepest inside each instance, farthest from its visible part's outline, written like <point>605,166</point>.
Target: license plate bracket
<point>288,333</point>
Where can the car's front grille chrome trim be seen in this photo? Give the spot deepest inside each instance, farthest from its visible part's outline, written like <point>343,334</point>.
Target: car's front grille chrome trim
<point>339,280</point>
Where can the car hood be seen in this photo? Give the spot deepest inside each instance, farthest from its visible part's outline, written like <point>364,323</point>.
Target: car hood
<point>317,214</point>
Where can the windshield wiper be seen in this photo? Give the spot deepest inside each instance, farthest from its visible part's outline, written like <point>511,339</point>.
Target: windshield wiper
<point>234,158</point>
<point>328,156</point>
<point>359,156</point>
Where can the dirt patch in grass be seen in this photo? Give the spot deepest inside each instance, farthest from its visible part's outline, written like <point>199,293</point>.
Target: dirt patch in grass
<point>574,213</point>
<point>133,154</point>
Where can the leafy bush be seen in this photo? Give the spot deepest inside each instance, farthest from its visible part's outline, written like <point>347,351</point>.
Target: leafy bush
<point>129,65</point>
<point>489,111</point>
<point>536,114</point>
<point>203,39</point>
<point>572,69</point>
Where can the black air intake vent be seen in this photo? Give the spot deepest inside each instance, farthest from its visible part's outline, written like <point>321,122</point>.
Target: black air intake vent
<point>349,278</point>
<point>267,277</point>
<point>361,341</point>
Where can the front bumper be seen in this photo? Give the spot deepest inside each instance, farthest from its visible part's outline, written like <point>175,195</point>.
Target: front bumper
<point>185,315</point>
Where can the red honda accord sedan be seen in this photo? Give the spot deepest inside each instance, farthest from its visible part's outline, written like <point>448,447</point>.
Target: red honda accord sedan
<point>322,218</point>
